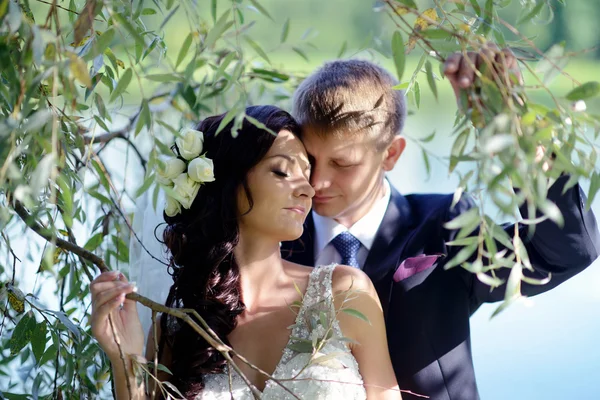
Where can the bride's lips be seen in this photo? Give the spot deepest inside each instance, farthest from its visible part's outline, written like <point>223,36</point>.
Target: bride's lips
<point>297,209</point>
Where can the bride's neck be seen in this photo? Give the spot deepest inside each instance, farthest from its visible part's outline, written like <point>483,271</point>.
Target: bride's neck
<point>261,267</point>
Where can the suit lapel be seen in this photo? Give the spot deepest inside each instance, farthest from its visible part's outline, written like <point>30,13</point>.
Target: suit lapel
<point>397,219</point>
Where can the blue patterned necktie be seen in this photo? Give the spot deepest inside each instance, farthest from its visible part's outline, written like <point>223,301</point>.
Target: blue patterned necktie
<point>347,246</point>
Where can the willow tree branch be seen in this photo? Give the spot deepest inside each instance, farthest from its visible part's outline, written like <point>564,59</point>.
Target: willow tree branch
<point>63,244</point>
<point>157,307</point>
<point>184,314</point>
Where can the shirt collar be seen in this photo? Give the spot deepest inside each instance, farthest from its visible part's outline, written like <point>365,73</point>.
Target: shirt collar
<point>364,229</point>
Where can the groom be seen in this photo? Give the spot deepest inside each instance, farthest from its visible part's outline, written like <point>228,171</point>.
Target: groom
<point>352,120</point>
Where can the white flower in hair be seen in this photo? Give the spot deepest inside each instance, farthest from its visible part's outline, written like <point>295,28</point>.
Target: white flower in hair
<point>172,206</point>
<point>185,190</point>
<point>172,168</point>
<point>201,170</point>
<point>190,143</point>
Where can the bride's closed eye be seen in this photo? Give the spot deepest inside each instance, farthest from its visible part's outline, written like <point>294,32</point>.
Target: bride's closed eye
<point>280,173</point>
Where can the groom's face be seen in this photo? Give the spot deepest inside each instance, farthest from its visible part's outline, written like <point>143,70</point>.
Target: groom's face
<point>347,172</point>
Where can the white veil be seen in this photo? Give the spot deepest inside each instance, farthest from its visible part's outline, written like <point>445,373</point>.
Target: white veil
<point>147,256</point>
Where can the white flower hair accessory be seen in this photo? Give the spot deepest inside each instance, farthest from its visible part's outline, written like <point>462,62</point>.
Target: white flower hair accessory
<point>184,178</point>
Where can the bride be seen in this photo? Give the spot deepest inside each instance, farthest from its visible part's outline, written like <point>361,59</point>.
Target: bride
<point>317,331</point>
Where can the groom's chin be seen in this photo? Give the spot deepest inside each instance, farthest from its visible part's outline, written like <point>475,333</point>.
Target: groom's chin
<point>328,210</point>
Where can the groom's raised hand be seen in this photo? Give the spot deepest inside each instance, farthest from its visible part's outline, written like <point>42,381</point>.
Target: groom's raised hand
<point>464,69</point>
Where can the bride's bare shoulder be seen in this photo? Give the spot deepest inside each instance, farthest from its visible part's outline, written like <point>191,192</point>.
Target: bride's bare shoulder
<point>349,278</point>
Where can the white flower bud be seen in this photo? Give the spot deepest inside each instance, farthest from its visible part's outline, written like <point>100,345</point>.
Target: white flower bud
<point>201,170</point>
<point>190,143</point>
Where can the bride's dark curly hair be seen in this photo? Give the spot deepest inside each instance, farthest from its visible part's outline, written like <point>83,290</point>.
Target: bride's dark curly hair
<point>201,240</point>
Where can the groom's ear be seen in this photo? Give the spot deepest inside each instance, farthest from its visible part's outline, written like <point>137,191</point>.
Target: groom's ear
<point>393,152</point>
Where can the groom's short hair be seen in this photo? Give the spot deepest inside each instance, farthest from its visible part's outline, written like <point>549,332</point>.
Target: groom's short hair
<point>351,96</point>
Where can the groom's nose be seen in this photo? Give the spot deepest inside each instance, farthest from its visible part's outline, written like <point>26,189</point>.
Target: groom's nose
<point>320,178</point>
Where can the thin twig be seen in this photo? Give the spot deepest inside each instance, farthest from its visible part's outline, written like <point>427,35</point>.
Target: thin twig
<point>155,330</point>
<point>118,208</point>
<point>53,4</point>
<point>121,355</point>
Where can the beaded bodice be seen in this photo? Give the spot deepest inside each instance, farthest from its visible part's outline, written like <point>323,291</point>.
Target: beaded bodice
<point>316,363</point>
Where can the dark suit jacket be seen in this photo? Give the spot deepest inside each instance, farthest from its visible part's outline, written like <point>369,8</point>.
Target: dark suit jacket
<point>427,313</point>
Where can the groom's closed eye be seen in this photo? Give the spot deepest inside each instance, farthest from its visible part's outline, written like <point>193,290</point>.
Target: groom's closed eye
<point>344,163</point>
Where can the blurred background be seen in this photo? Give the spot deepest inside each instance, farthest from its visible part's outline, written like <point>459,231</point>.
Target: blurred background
<point>541,348</point>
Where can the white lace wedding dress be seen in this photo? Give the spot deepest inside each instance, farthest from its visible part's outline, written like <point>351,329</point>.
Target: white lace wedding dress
<point>333,372</point>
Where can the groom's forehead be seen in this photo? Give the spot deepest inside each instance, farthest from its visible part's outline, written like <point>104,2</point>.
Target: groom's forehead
<point>336,142</point>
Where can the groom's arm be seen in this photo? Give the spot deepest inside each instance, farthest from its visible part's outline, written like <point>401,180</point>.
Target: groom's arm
<point>562,252</point>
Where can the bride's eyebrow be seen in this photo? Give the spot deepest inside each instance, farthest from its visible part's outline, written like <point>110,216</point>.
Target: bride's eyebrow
<point>289,158</point>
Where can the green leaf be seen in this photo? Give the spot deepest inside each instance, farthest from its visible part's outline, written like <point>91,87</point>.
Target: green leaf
<point>462,256</point>
<point>342,49</point>
<point>144,119</point>
<point>356,313</point>
<point>93,242</point>
<point>22,333</point>
<point>148,11</point>
<point>271,76</point>
<point>408,3</point>
<point>585,91</point>
<point>101,176</point>
<point>213,10</point>
<point>147,182</point>
<point>121,20</point>
<point>594,186</point>
<point>435,33</point>
<point>49,354</point>
<point>168,18</point>
<point>260,125</point>
<point>38,340</point>
<point>489,280</point>
<point>492,96</point>
<point>476,7</point>
<point>426,161</point>
<point>488,13</point>
<point>101,106</point>
<point>428,139</point>
<point>513,285</point>
<point>285,30</point>
<point>160,367</point>
<point>258,49</point>
<point>458,148</point>
<point>300,53</point>
<point>62,317</point>
<point>552,211</point>
<point>122,85</point>
<point>101,122</point>
<point>231,114</point>
<point>505,304</point>
<point>184,49</point>
<point>464,219</point>
<point>261,9</point>
<point>330,360</point>
<point>398,54</point>
<point>463,241</point>
<point>431,79</point>
<point>301,346</point>
<point>535,11</point>
<point>100,44</point>
<point>122,250</point>
<point>218,29</point>
<point>417,93</point>
<point>553,62</point>
<point>165,78</point>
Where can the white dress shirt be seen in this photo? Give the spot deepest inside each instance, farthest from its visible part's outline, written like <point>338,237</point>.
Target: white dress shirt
<point>364,230</point>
